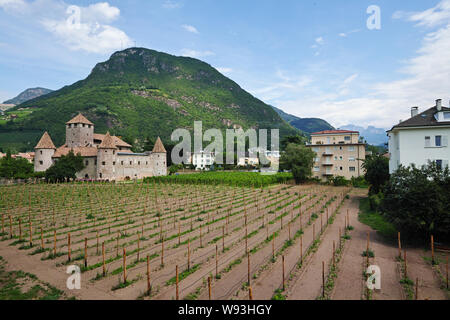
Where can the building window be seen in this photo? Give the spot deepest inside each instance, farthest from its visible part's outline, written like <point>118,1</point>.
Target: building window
<point>131,163</point>
<point>439,164</point>
<point>75,125</point>
<point>41,151</point>
<point>114,163</point>
<point>316,169</point>
<point>340,158</point>
<point>352,169</point>
<point>87,162</point>
<point>41,162</point>
<point>427,142</point>
<point>103,163</point>
<point>351,159</point>
<point>83,125</point>
<point>351,148</point>
<point>438,141</point>
<point>347,138</point>
<point>340,168</point>
<point>121,162</point>
<point>114,152</point>
<point>139,163</point>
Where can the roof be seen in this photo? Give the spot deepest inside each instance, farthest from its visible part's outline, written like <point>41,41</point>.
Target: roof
<point>108,142</point>
<point>80,119</point>
<point>333,132</point>
<point>84,151</point>
<point>45,142</point>
<point>159,147</point>
<point>425,118</point>
<point>119,142</point>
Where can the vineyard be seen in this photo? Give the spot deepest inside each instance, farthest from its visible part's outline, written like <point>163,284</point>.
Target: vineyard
<point>161,240</point>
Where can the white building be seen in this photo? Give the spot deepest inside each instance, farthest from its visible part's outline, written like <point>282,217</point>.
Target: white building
<point>202,159</point>
<point>422,138</point>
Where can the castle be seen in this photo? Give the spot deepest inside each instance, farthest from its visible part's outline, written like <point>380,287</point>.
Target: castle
<point>105,157</point>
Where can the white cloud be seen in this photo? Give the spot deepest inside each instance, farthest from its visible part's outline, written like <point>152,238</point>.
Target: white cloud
<point>438,15</point>
<point>196,54</point>
<point>346,34</point>
<point>320,40</point>
<point>189,28</point>
<point>224,70</point>
<point>422,79</point>
<point>172,4</point>
<point>78,28</point>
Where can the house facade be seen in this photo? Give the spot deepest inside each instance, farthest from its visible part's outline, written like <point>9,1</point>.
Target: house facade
<point>421,138</point>
<point>338,153</point>
<point>105,157</point>
<point>201,160</point>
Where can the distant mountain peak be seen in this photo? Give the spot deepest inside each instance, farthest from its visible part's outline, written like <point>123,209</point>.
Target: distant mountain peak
<point>28,94</point>
<point>308,125</point>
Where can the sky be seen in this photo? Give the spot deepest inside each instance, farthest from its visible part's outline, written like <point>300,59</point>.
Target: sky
<point>348,62</point>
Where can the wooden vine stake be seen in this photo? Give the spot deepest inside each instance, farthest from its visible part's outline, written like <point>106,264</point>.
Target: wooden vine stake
<point>117,244</point>
<point>97,243</point>
<point>250,293</point>
<point>189,255</point>
<point>162,252</point>
<point>176,281</point>
<point>179,234</point>
<point>68,247</point>
<point>432,250</point>
<point>10,227</point>
<point>334,254</point>
<point>406,265</point>
<point>282,259</point>
<point>209,287</point>
<point>301,249</point>
<point>273,246</point>
<point>54,243</point>
<point>42,239</point>
<point>367,250</point>
<point>217,261</point>
<point>85,253</point>
<point>149,287</point>
<point>399,246</point>
<point>124,265</point>
<point>417,288</point>
<point>446,266</point>
<point>103,258</point>
<point>248,268</point>
<point>323,279</point>
<point>138,247</point>
<point>31,233</point>
<point>223,239</point>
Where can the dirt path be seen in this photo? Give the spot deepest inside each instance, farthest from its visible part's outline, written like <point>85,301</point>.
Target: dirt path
<point>308,284</point>
<point>418,268</point>
<point>46,271</point>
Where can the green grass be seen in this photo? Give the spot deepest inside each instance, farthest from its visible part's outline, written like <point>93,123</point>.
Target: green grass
<point>12,286</point>
<point>376,220</point>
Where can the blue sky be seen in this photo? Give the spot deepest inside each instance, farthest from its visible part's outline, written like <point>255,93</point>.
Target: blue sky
<point>309,58</point>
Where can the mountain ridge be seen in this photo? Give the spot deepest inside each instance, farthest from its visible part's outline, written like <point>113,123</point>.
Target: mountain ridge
<point>308,125</point>
<point>28,94</point>
<point>139,93</point>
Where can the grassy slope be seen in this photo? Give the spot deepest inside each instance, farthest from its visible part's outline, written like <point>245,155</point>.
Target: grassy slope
<point>107,97</point>
<point>375,220</point>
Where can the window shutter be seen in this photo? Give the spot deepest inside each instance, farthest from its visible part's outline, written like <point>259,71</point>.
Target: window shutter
<point>445,141</point>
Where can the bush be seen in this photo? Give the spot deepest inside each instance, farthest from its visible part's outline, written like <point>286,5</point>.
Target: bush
<point>359,182</point>
<point>417,201</point>
<point>340,181</point>
<point>375,201</point>
<point>299,160</point>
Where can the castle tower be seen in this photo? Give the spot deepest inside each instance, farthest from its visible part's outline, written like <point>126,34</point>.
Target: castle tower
<point>159,155</point>
<point>44,151</point>
<point>106,158</point>
<point>79,132</point>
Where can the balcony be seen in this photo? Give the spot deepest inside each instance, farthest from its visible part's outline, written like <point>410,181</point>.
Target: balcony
<point>327,153</point>
<point>327,164</point>
<point>327,174</point>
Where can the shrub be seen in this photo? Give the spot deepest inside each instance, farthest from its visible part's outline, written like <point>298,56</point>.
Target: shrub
<point>340,181</point>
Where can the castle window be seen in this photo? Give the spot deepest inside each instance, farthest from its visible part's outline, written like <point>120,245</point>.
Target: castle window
<point>146,162</point>
<point>121,163</point>
<point>103,163</point>
<point>139,163</point>
<point>41,162</point>
<point>41,151</point>
<point>83,125</point>
<point>106,151</point>
<point>95,162</point>
<point>114,163</point>
<point>75,125</point>
<point>87,162</point>
<point>114,152</point>
<point>131,162</point>
<point>89,125</point>
<point>100,175</point>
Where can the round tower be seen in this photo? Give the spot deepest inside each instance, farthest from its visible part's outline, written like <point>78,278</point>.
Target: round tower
<point>106,159</point>
<point>44,151</point>
<point>79,132</point>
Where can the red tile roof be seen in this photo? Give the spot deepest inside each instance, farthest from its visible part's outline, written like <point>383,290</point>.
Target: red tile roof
<point>84,151</point>
<point>80,119</point>
<point>45,142</point>
<point>333,132</point>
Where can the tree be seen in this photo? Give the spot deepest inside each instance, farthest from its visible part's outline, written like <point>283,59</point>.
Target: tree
<point>299,159</point>
<point>65,168</point>
<point>15,168</point>
<point>377,172</point>
<point>417,201</point>
<point>291,139</point>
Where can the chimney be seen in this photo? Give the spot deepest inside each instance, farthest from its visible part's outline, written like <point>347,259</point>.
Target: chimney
<point>439,104</point>
<point>414,111</point>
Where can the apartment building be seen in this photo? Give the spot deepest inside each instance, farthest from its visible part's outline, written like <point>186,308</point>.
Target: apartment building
<point>421,138</point>
<point>202,160</point>
<point>338,153</point>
